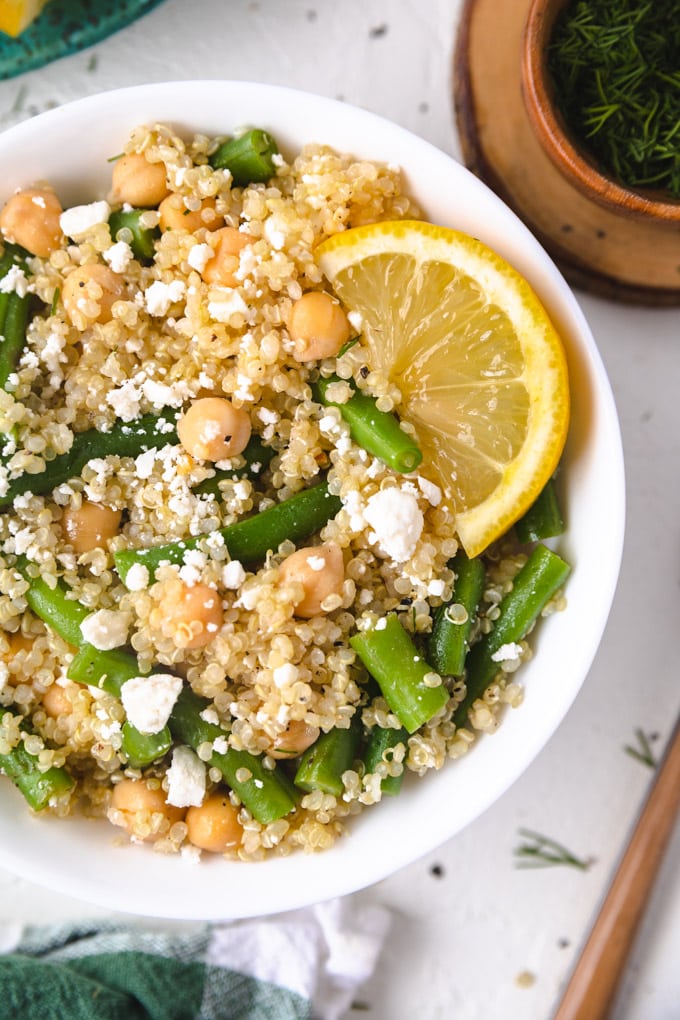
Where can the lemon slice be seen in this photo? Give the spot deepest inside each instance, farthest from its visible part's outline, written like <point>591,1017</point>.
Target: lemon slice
<point>16,15</point>
<point>480,367</point>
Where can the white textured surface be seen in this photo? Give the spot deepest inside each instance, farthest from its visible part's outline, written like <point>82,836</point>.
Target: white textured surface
<point>468,921</point>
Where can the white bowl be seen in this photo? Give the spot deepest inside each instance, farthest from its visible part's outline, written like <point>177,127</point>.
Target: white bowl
<point>70,147</point>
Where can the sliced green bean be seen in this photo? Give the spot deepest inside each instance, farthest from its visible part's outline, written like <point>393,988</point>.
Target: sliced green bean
<point>323,764</point>
<point>391,657</point>
<point>124,439</point>
<point>250,157</point>
<point>249,540</point>
<point>107,670</point>
<point>378,432</point>
<point>449,641</point>
<point>141,239</point>
<point>37,786</point>
<point>266,793</point>
<point>14,311</point>
<point>54,606</point>
<point>543,519</point>
<point>142,749</point>
<point>256,458</point>
<point>383,740</point>
<point>539,579</point>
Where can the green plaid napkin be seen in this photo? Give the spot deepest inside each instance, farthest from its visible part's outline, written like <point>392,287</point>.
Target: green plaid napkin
<point>304,965</point>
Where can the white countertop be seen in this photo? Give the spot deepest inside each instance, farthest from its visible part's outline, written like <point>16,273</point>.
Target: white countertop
<point>474,938</point>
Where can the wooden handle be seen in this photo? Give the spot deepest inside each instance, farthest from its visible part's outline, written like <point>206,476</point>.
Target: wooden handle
<point>595,980</point>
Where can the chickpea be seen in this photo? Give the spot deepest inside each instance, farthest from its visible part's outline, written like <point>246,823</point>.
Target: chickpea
<point>145,811</point>
<point>320,569</point>
<point>31,218</point>
<point>318,326</point>
<point>89,293</point>
<point>91,526</point>
<point>174,215</point>
<point>55,702</point>
<point>191,615</point>
<point>139,182</point>
<point>221,268</point>
<point>295,739</point>
<point>213,429</point>
<point>214,826</point>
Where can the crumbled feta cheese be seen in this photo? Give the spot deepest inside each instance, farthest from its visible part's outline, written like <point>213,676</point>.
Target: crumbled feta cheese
<point>125,400</point>
<point>285,675</point>
<point>210,715</point>
<point>431,492</point>
<point>186,778</point>
<point>14,280</point>
<point>119,256</point>
<point>233,575</point>
<point>397,522</point>
<point>229,302</point>
<point>436,588</point>
<point>144,463</point>
<point>137,577</point>
<point>76,221</point>
<point>106,629</point>
<point>507,652</point>
<point>149,700</point>
<point>199,256</point>
<point>160,296</point>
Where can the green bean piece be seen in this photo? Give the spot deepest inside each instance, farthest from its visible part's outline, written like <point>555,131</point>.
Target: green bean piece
<point>382,740</point>
<point>248,157</point>
<point>142,239</point>
<point>543,519</point>
<point>449,641</point>
<point>542,575</point>
<point>256,458</point>
<point>331,755</point>
<point>54,606</point>
<point>14,310</point>
<point>391,657</point>
<point>13,335</point>
<point>124,439</point>
<point>378,432</point>
<point>266,793</point>
<point>37,786</point>
<point>142,749</point>
<point>249,540</point>
<point>107,670</point>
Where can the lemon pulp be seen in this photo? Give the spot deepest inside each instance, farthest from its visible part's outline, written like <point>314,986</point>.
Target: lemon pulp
<point>480,367</point>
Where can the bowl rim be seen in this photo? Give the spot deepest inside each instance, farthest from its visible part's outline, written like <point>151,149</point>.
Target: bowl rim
<point>554,137</point>
<point>36,849</point>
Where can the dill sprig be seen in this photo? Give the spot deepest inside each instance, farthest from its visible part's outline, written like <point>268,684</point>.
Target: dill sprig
<point>643,752</point>
<point>543,852</point>
<point>615,66</point>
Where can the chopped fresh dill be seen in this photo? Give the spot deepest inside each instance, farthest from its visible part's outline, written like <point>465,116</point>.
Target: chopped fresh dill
<point>543,852</point>
<point>615,66</point>
<point>643,752</point>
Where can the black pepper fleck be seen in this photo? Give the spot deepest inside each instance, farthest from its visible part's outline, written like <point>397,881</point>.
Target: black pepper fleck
<point>378,31</point>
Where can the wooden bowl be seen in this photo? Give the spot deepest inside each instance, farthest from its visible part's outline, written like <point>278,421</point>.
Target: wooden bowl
<point>573,162</point>
<point>608,240</point>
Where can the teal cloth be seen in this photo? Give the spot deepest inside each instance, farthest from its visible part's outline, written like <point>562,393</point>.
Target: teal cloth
<point>125,973</point>
<point>65,27</point>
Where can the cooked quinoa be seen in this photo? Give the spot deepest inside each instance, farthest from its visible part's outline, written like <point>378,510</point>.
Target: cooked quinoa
<point>174,337</point>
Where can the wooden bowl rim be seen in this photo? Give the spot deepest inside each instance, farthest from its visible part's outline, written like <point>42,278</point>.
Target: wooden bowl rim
<point>550,130</point>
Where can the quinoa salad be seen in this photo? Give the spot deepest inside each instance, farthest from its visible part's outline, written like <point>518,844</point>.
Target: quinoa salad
<point>228,624</point>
